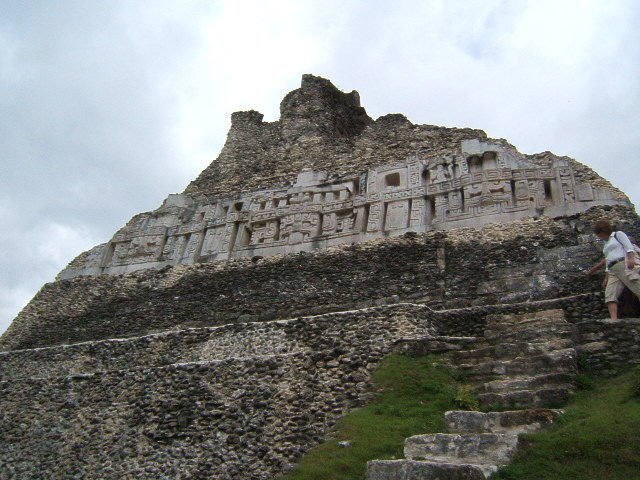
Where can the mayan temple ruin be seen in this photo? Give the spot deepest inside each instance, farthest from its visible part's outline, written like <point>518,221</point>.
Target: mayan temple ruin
<point>223,335</point>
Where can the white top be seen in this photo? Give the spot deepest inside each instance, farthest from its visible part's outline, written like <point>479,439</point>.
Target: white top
<point>616,247</point>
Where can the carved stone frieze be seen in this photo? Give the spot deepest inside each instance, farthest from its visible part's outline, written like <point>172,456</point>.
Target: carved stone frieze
<point>386,178</point>
<point>299,227</point>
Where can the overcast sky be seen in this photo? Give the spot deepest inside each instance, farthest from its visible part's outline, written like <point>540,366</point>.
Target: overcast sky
<point>106,107</point>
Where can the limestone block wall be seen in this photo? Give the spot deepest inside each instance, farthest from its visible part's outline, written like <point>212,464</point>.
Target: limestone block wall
<point>607,347</point>
<point>367,328</point>
<point>227,419</point>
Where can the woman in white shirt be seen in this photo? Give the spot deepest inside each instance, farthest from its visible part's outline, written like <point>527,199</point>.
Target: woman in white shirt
<point>620,260</point>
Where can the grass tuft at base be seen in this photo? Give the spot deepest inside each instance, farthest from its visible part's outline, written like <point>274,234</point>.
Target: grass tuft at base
<point>598,438</point>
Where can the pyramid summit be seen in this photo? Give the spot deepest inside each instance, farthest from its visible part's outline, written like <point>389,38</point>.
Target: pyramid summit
<point>225,333</point>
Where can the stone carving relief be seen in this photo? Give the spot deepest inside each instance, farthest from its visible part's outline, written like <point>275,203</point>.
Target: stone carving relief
<point>521,193</point>
<point>418,214</point>
<point>440,172</point>
<point>484,182</point>
<point>214,240</point>
<point>584,192</point>
<point>339,222</point>
<point>265,232</point>
<point>414,174</point>
<point>456,203</point>
<point>566,179</point>
<point>299,227</point>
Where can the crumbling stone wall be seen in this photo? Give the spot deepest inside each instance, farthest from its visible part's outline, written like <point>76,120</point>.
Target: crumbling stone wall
<point>608,347</point>
<point>172,405</point>
<point>160,407</point>
<point>522,261</point>
<point>230,419</point>
<point>362,328</point>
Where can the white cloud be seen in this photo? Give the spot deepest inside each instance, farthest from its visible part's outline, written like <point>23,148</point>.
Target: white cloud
<point>249,53</point>
<point>34,257</point>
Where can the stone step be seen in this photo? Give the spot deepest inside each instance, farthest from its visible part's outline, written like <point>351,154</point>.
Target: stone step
<point>417,470</point>
<point>557,361</point>
<point>509,350</point>
<point>436,344</point>
<point>527,320</point>
<point>526,382</point>
<point>514,422</point>
<point>546,397</point>
<point>466,448</point>
<point>507,333</point>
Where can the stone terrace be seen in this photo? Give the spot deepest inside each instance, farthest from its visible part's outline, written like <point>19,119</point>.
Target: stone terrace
<point>523,261</point>
<point>243,400</point>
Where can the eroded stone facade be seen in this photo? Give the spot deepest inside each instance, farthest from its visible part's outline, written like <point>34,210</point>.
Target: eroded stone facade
<point>357,180</point>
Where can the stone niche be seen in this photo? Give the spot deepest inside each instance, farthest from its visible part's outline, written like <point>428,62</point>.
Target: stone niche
<point>397,216</point>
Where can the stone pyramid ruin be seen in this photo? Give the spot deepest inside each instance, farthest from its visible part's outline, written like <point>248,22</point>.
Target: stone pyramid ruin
<point>222,335</point>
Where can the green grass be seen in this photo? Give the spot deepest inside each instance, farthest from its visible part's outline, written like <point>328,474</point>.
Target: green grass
<point>413,395</point>
<point>598,437</point>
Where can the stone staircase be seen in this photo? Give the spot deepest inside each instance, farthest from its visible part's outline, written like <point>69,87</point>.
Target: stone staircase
<point>524,366</point>
<point>246,400</point>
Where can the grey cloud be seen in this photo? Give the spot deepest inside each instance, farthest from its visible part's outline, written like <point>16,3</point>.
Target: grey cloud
<point>84,132</point>
<point>103,104</point>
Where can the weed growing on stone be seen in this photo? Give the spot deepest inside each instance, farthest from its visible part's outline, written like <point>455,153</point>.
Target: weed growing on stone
<point>635,382</point>
<point>413,395</point>
<point>584,382</point>
<point>465,399</point>
<point>598,438</point>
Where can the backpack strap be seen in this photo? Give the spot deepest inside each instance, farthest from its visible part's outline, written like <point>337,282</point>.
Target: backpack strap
<point>614,236</point>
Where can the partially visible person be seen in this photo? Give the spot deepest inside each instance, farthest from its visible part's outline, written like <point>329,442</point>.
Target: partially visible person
<point>620,261</point>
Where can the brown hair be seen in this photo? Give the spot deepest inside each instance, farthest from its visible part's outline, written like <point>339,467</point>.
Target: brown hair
<point>602,226</point>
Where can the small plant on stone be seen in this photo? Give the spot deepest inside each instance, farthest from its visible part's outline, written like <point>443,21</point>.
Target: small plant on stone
<point>465,399</point>
<point>584,382</point>
<point>635,382</point>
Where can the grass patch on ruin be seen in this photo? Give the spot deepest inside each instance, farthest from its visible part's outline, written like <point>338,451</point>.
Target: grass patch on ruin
<point>598,438</point>
<point>413,394</point>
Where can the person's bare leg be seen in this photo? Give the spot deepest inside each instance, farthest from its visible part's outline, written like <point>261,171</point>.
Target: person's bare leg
<point>613,310</point>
